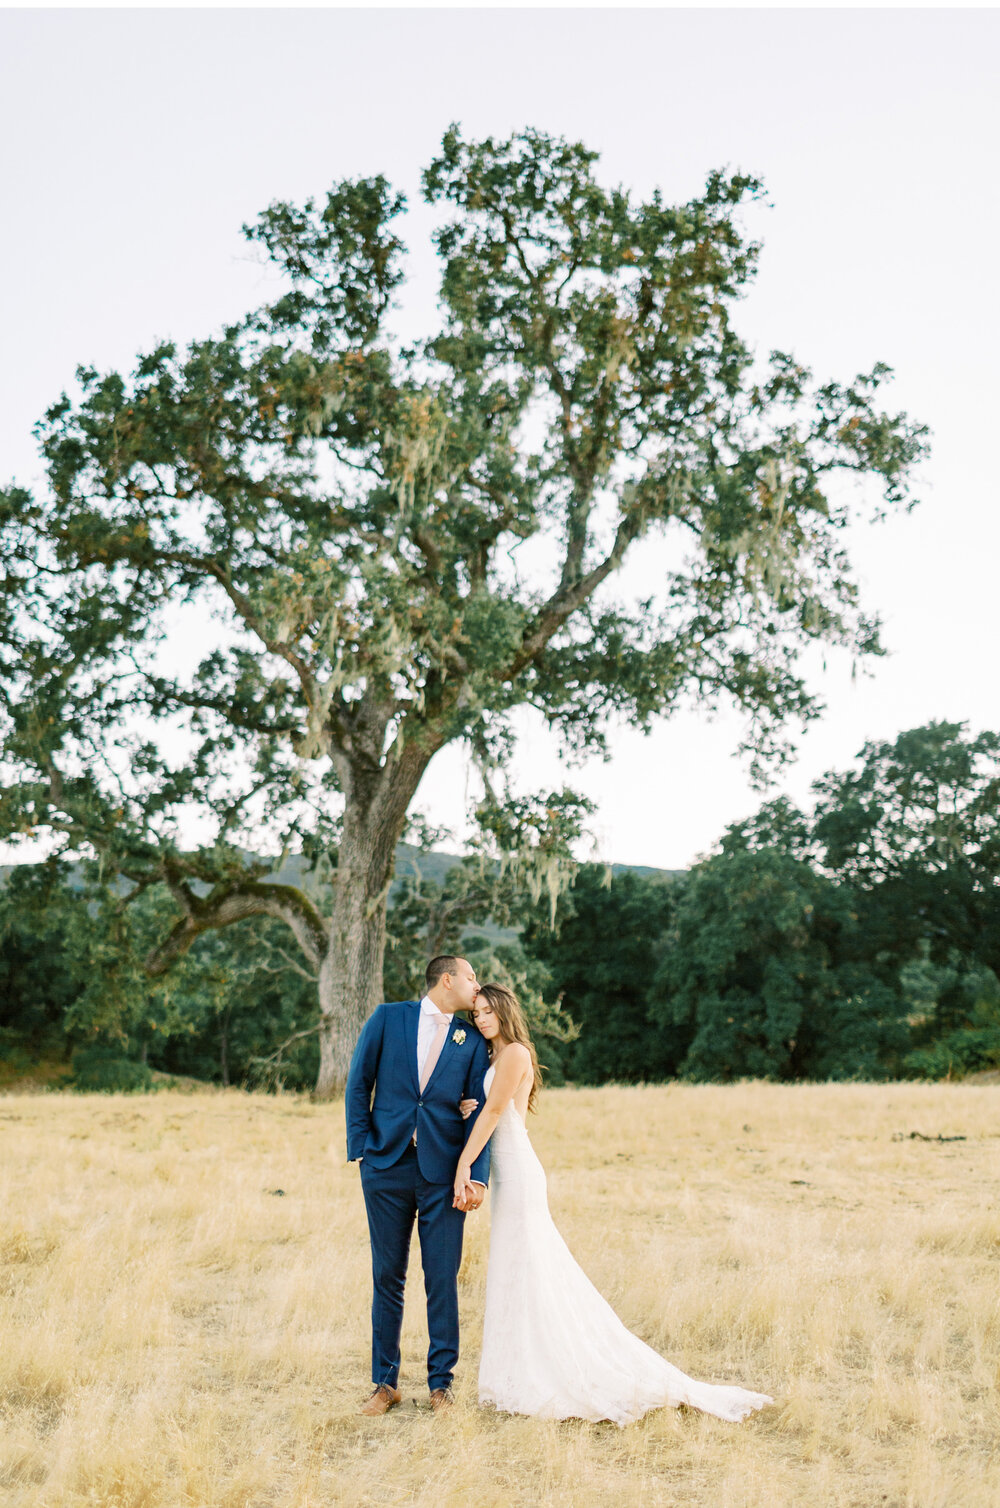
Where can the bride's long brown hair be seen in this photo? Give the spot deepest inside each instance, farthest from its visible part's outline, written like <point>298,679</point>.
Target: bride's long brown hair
<point>510,1017</point>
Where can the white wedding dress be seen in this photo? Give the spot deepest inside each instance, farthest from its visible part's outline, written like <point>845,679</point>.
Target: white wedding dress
<point>552,1346</point>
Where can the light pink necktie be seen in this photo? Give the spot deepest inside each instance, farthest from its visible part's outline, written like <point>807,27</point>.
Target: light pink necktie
<point>434,1051</point>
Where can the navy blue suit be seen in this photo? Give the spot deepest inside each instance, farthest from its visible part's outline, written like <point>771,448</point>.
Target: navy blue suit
<point>403,1182</point>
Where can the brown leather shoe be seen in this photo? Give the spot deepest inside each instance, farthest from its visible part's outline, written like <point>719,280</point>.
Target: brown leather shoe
<point>442,1399</point>
<point>382,1400</point>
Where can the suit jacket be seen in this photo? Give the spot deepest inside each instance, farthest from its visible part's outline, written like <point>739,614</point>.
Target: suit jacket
<point>384,1103</point>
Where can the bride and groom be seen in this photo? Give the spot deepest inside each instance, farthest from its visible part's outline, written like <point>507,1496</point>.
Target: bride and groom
<point>552,1346</point>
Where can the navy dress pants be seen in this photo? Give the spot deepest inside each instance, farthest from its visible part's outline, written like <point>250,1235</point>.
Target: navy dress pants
<point>394,1198</point>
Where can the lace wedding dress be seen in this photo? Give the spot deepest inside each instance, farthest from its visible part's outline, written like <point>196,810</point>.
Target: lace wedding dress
<point>552,1346</point>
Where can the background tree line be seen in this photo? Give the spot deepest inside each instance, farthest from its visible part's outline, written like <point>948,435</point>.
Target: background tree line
<point>860,939</point>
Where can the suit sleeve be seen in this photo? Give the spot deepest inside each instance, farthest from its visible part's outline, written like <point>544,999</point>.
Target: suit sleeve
<point>360,1083</point>
<point>474,1091</point>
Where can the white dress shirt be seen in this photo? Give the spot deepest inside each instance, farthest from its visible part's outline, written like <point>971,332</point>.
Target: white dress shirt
<point>426,1031</point>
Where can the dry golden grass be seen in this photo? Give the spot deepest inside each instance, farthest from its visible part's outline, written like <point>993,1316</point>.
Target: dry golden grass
<point>175,1334</point>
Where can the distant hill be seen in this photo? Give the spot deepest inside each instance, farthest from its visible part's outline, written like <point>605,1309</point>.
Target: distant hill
<point>433,865</point>
<point>430,864</point>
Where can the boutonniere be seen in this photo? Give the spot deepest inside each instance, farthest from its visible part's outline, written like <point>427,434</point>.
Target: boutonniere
<point>458,1035</point>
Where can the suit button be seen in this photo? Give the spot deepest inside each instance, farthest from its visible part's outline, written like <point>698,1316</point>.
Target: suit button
<point>419,1103</point>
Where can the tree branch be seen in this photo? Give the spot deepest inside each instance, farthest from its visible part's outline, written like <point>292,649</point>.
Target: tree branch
<point>567,599</point>
<point>236,903</point>
<point>275,1057</point>
<point>242,604</point>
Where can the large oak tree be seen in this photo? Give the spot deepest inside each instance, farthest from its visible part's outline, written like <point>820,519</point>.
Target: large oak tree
<point>392,547</point>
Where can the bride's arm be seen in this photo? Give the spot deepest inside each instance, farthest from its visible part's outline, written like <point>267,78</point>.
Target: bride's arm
<point>510,1069</point>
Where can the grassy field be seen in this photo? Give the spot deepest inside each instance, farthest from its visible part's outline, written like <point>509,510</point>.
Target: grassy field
<point>184,1296</point>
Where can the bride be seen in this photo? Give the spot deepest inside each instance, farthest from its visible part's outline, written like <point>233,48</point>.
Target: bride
<point>552,1346</point>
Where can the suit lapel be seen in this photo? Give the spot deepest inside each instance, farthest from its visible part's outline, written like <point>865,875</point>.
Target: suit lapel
<point>411,1021</point>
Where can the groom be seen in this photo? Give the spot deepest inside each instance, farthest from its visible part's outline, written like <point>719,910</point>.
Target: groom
<point>408,1139</point>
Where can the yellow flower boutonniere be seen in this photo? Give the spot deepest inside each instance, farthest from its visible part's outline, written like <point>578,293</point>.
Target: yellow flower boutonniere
<point>458,1036</point>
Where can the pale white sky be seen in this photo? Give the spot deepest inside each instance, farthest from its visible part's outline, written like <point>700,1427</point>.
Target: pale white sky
<point>133,144</point>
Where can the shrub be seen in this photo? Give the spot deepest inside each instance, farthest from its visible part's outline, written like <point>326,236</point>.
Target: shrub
<point>101,1066</point>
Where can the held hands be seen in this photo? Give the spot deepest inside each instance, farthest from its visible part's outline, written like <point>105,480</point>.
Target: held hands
<point>468,1195</point>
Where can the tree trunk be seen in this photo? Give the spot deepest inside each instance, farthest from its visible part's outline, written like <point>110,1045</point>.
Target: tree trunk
<point>224,1045</point>
<point>350,975</point>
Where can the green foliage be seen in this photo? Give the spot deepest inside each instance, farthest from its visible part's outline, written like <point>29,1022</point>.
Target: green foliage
<point>71,961</point>
<point>523,851</point>
<point>247,1011</point>
<point>39,983</point>
<point>601,961</point>
<point>931,799</point>
<point>101,1066</point>
<point>911,838</point>
<point>971,1040</point>
<point>762,972</point>
<point>476,893</point>
<point>552,1029</point>
<point>766,960</point>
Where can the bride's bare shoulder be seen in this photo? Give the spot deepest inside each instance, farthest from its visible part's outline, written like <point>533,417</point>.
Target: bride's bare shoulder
<point>515,1055</point>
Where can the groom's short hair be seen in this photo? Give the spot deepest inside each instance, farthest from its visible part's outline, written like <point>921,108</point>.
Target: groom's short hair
<point>445,963</point>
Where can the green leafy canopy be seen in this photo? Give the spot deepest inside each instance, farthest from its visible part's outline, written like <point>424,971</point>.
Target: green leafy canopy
<point>393,546</point>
